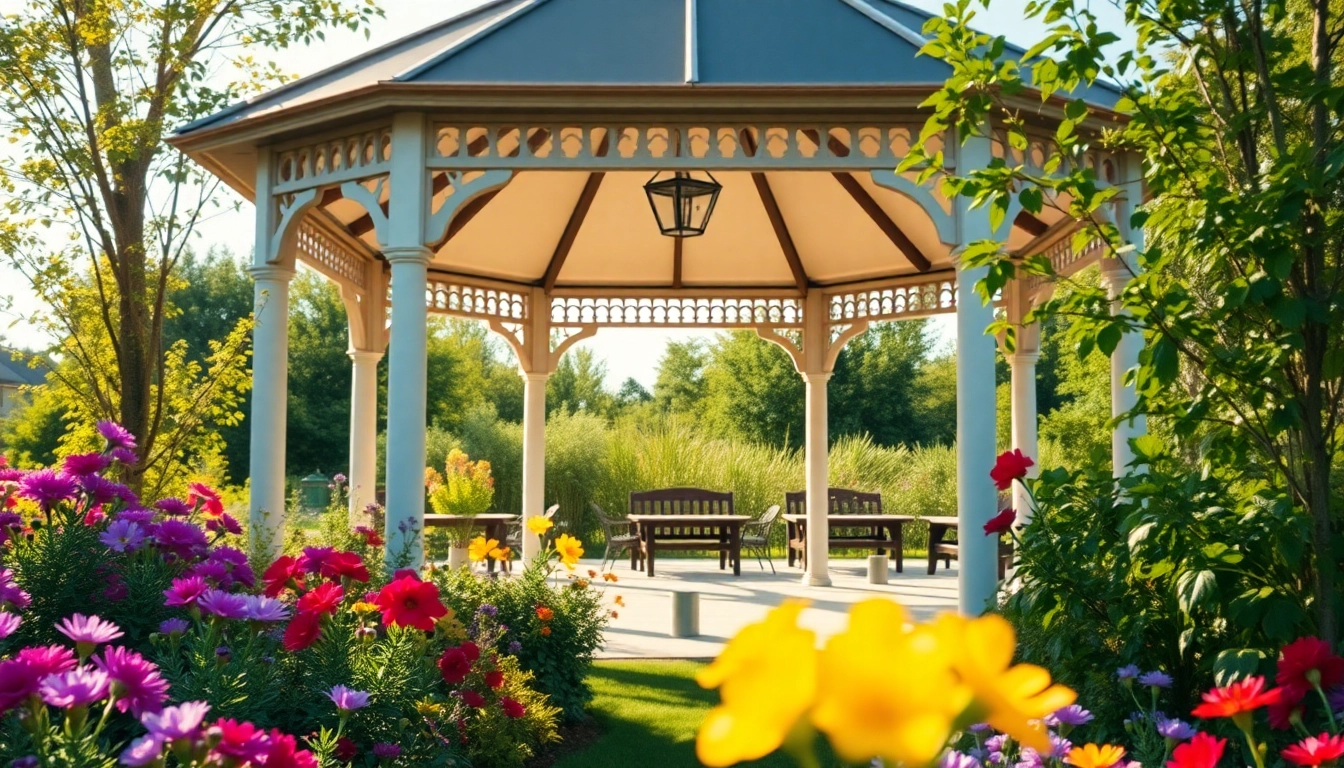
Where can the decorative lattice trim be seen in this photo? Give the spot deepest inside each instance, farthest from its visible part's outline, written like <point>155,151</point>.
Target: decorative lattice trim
<point>476,301</point>
<point>702,312</point>
<point>333,161</point>
<point>324,251</point>
<point>933,297</point>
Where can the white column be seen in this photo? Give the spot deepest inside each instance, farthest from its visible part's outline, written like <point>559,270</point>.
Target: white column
<point>534,458</point>
<point>363,430</point>
<point>977,498</point>
<point>1114,276</point>
<point>270,386</point>
<point>818,481</point>
<point>1023,366</point>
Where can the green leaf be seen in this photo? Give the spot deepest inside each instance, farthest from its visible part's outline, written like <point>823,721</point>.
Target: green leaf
<point>1235,663</point>
<point>1194,588</point>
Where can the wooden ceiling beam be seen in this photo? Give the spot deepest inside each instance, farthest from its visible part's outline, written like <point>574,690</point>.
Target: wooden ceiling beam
<point>772,212</point>
<point>676,263</point>
<point>572,228</point>
<point>883,221</point>
<point>1030,224</point>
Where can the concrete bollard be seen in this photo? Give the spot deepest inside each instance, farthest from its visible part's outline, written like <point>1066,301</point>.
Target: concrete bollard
<point>877,569</point>
<point>685,614</point>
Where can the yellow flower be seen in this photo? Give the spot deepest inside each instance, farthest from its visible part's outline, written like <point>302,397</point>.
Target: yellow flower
<point>619,601</point>
<point>767,676</point>
<point>1013,699</point>
<point>362,608</point>
<point>480,548</point>
<point>570,550</point>
<point>886,689</point>
<point>539,525</point>
<point>1093,756</point>
<point>502,554</point>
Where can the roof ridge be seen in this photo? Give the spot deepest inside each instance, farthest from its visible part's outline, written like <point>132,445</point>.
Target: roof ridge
<point>517,12</point>
<point>888,23</point>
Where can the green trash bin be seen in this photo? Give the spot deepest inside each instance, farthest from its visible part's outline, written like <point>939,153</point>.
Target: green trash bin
<point>315,492</point>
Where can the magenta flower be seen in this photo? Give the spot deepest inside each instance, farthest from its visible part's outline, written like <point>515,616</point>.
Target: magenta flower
<point>76,688</point>
<point>123,536</point>
<point>10,593</point>
<point>138,515</point>
<point>212,571</point>
<point>116,435</point>
<point>240,740</point>
<point>185,591</point>
<point>89,630</point>
<point>315,557</point>
<point>173,507</point>
<point>266,609</point>
<point>179,722</point>
<point>9,622</point>
<point>225,523</point>
<point>174,626</point>
<point>143,751</point>
<point>48,659</point>
<point>181,538</point>
<point>78,464</point>
<point>137,682</point>
<point>124,455</point>
<point>19,680</point>
<point>100,491</point>
<point>47,487</point>
<point>384,750</point>
<point>348,699</point>
<point>225,605</point>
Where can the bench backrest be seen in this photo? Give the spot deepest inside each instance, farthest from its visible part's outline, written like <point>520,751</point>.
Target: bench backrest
<point>681,501</point>
<point>843,501</point>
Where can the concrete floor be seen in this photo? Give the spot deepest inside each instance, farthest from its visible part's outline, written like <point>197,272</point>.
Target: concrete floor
<point>643,626</point>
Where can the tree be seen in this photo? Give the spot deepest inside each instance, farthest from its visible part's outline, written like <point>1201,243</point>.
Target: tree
<point>876,386</point>
<point>318,424</point>
<point>579,384</point>
<point>1234,110</point>
<point>632,393</point>
<point>753,391</point>
<point>88,90</point>
<point>680,385</point>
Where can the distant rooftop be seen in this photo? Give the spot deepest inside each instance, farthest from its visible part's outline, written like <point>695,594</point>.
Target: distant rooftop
<point>17,373</point>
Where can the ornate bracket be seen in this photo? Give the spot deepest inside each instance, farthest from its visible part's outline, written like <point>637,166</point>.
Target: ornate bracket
<point>372,202</point>
<point>464,189</point>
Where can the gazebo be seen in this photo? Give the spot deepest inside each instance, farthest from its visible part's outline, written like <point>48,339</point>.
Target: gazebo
<point>494,166</point>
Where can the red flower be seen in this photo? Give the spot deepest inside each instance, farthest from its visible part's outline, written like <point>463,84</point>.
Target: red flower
<point>473,699</point>
<point>1307,663</point>
<point>472,651</point>
<point>345,565</point>
<point>199,493</point>
<point>1202,751</point>
<point>284,753</point>
<point>1000,523</point>
<point>302,631</point>
<point>1237,698</point>
<point>511,708</point>
<point>326,598</point>
<point>494,679</point>
<point>280,574</point>
<point>409,602</point>
<point>1010,466</point>
<point>454,666</point>
<point>1315,750</point>
<point>346,749</point>
<point>1289,704</point>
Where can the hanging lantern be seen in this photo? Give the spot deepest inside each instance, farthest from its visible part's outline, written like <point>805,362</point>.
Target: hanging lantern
<point>682,203</point>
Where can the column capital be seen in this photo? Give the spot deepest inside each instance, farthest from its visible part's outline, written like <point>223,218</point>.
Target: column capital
<point>413,254</point>
<point>536,376</point>
<point>1028,358</point>
<point>814,377</point>
<point>365,355</point>
<point>270,273</point>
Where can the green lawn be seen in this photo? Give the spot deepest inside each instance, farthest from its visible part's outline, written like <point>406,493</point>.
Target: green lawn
<point>649,712</point>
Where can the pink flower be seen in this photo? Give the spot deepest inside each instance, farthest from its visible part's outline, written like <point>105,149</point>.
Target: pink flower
<point>284,753</point>
<point>348,699</point>
<point>181,538</point>
<point>116,435</point>
<point>1307,663</point>
<point>302,631</point>
<point>239,740</point>
<point>454,666</point>
<point>137,683</point>
<point>173,507</point>
<point>1316,750</point>
<point>48,659</point>
<point>76,688</point>
<point>473,699</point>
<point>199,494</point>
<point>89,630</point>
<point>10,593</point>
<point>100,491</point>
<point>1000,523</point>
<point>9,622</point>
<point>511,708</point>
<point>217,602</point>
<point>123,455</point>
<point>47,487</point>
<point>185,591</point>
<point>315,557</point>
<point>224,524</point>
<point>179,722</point>
<point>84,464</point>
<point>143,751</point>
<point>18,681</point>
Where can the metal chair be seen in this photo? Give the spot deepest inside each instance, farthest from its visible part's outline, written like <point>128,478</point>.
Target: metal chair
<point>620,536</point>
<point>514,538</point>
<point>756,536</point>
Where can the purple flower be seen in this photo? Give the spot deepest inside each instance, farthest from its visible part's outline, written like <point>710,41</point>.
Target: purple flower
<point>185,591</point>
<point>1028,757</point>
<point>177,722</point>
<point>137,515</point>
<point>211,571</point>
<point>181,538</point>
<point>19,680</point>
<point>225,523</point>
<point>116,435</point>
<point>217,602</point>
<point>77,464</point>
<point>99,490</point>
<point>338,478</point>
<point>143,751</point>
<point>1155,679</point>
<point>1336,699</point>
<point>385,750</point>
<point>137,682</point>
<point>1127,672</point>
<point>487,609</point>
<point>994,746</point>
<point>47,487</point>
<point>174,626</point>
<point>1172,728</point>
<point>955,759</point>
<point>11,593</point>
<point>1070,715</point>
<point>266,609</point>
<point>173,507</point>
<point>76,688</point>
<point>10,474</point>
<point>123,536</point>
<point>27,761</point>
<point>1059,746</point>
<point>124,455</point>
<point>515,647</point>
<point>347,699</point>
<point>9,622</point>
<point>315,557</point>
<point>89,630</point>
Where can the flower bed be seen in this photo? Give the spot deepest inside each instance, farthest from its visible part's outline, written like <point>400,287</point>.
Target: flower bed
<point>141,633</point>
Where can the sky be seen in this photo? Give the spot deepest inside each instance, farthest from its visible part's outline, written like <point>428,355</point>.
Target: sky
<point>629,353</point>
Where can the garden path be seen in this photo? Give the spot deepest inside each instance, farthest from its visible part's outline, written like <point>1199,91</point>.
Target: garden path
<point>643,627</point>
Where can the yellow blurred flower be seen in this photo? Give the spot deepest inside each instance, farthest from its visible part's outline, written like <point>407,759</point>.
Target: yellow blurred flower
<point>570,550</point>
<point>480,548</point>
<point>1013,699</point>
<point>502,554</point>
<point>886,689</point>
<point>1093,756</point>
<point>767,676</point>
<point>609,576</point>
<point>362,608</point>
<point>539,525</point>
<point>619,601</point>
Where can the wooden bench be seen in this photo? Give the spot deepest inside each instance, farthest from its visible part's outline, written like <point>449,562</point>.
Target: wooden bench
<point>884,535</point>
<point>941,547</point>
<point>689,508</point>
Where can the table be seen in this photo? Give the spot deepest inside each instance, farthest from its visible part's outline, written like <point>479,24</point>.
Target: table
<point>496,525</point>
<point>939,526</point>
<point>722,533</point>
<point>890,524</point>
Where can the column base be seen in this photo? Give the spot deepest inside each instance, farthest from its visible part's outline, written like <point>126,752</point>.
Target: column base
<point>811,580</point>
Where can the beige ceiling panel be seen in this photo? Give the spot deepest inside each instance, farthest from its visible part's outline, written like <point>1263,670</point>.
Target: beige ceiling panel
<point>515,234</point>
<point>836,240</point>
<point>913,220</point>
<point>620,242</point>
<point>740,246</point>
